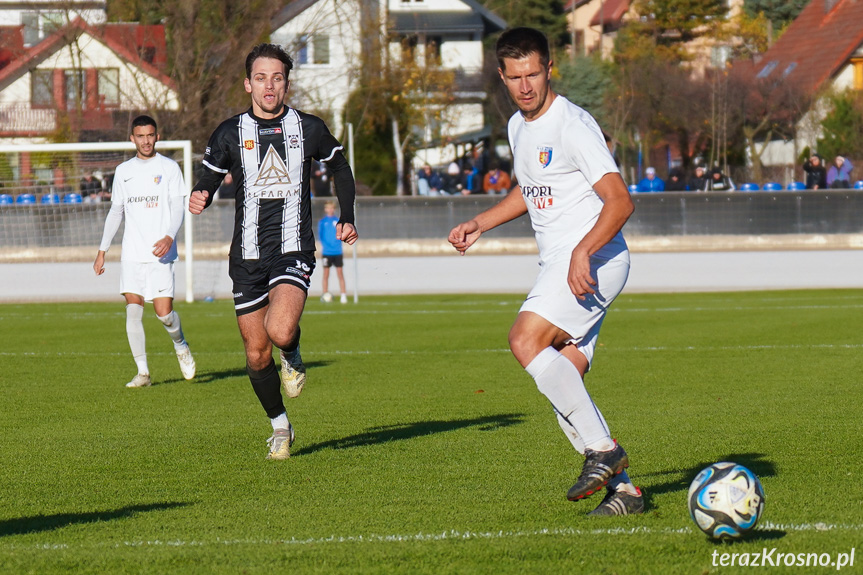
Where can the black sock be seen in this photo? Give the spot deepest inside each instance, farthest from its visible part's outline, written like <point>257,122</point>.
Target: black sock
<point>268,388</point>
<point>294,344</point>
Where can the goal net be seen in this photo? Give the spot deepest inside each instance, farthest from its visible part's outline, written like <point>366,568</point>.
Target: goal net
<point>54,199</point>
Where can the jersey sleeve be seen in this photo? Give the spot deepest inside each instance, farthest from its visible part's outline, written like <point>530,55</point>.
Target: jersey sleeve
<point>585,146</point>
<point>329,150</point>
<point>217,159</point>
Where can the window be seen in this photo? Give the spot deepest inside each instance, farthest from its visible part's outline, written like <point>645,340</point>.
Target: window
<point>302,49</point>
<point>765,71</point>
<point>789,69</point>
<point>37,25</point>
<point>109,86</point>
<point>719,56</point>
<point>409,49</point>
<point>42,88</point>
<point>321,48</point>
<point>75,95</point>
<point>433,50</point>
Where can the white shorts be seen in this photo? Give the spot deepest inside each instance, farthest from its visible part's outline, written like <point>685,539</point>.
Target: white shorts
<point>552,299</point>
<point>149,280</point>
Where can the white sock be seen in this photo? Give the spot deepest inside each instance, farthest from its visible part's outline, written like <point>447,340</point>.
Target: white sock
<point>558,380</point>
<point>280,421</point>
<point>173,327</point>
<point>622,482</point>
<point>135,333</point>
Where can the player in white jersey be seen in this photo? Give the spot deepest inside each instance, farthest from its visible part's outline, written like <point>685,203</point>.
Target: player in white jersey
<point>569,185</point>
<point>148,191</point>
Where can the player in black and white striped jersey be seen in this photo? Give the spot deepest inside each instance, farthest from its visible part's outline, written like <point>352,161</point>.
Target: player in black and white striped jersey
<point>268,150</point>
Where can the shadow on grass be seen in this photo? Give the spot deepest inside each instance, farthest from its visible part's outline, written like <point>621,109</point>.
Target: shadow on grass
<point>39,523</point>
<point>211,376</point>
<point>385,433</point>
<point>679,479</point>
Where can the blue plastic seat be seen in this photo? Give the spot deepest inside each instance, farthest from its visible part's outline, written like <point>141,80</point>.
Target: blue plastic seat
<point>749,187</point>
<point>72,198</point>
<point>797,186</point>
<point>25,199</point>
<point>858,185</point>
<point>50,199</point>
<point>6,199</point>
<point>772,187</point>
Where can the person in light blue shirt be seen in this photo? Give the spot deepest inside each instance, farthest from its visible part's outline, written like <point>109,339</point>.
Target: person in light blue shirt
<point>331,247</point>
<point>651,183</point>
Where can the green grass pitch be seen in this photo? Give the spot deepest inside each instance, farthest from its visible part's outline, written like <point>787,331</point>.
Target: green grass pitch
<point>422,446</point>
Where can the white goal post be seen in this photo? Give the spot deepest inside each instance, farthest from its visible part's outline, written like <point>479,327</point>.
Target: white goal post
<point>35,178</point>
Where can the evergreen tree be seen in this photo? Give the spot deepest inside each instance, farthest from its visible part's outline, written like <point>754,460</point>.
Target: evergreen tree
<point>843,128</point>
<point>585,81</point>
<point>779,12</point>
<point>545,15</point>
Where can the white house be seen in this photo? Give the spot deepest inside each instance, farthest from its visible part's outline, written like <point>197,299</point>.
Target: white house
<point>325,37</point>
<point>59,68</point>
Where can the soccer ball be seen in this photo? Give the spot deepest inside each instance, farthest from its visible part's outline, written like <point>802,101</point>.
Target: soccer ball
<point>327,297</point>
<point>725,500</point>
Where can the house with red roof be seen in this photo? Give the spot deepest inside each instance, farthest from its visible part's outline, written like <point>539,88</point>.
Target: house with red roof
<point>821,51</point>
<point>79,77</point>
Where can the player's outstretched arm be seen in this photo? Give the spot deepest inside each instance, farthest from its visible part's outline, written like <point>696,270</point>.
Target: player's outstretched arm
<point>198,201</point>
<point>467,233</point>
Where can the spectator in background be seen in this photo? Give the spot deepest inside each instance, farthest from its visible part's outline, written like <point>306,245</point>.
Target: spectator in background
<point>429,182</point>
<point>496,181</point>
<point>698,182</point>
<point>322,185</point>
<point>452,182</point>
<point>331,248</point>
<point>675,181</point>
<point>90,186</point>
<point>227,189</point>
<point>650,183</point>
<point>719,182</point>
<point>839,174</point>
<point>816,173</point>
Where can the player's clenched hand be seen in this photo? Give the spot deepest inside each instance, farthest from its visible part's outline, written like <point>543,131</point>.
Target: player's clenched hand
<point>464,235</point>
<point>161,247</point>
<point>347,233</point>
<point>580,281</point>
<point>198,201</point>
<point>99,264</point>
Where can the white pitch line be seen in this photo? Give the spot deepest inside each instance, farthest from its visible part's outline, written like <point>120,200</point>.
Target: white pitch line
<point>450,535</point>
<point>366,352</point>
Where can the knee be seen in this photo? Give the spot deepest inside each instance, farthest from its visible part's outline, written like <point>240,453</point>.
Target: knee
<point>523,346</point>
<point>283,338</point>
<point>257,359</point>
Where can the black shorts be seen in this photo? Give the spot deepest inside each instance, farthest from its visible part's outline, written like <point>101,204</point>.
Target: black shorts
<point>330,261</point>
<point>253,279</point>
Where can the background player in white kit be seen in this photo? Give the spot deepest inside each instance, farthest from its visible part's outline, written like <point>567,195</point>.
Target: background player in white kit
<point>148,190</point>
<point>570,186</point>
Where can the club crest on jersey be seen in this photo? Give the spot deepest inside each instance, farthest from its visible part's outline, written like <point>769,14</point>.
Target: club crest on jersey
<point>249,144</point>
<point>544,155</point>
<point>157,180</point>
<point>294,141</point>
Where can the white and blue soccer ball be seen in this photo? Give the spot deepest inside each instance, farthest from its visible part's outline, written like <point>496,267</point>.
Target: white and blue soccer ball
<point>725,500</point>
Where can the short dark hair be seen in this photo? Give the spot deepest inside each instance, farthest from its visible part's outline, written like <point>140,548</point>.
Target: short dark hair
<point>268,51</point>
<point>144,121</point>
<point>518,43</point>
